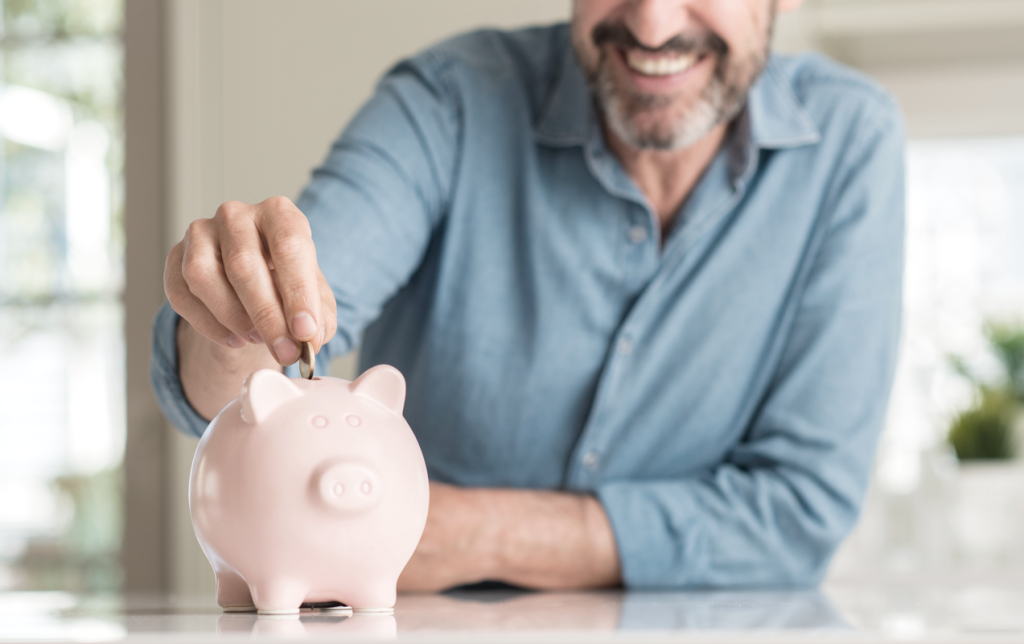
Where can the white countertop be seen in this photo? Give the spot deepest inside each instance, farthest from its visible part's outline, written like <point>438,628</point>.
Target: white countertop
<point>854,613</point>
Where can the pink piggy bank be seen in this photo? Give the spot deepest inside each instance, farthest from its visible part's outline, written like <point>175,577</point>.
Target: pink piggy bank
<point>310,491</point>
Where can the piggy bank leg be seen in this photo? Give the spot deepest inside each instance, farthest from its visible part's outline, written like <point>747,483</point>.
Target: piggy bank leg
<point>233,593</point>
<point>374,598</point>
<point>278,596</point>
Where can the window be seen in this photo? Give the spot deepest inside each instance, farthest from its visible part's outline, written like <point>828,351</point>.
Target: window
<point>61,345</point>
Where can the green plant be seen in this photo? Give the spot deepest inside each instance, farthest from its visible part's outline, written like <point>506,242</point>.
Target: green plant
<point>985,430</point>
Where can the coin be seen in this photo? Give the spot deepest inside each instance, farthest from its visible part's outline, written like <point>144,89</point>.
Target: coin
<point>307,360</point>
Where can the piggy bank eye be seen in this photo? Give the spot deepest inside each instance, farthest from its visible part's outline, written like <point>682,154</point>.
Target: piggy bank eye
<point>319,422</point>
<point>353,420</point>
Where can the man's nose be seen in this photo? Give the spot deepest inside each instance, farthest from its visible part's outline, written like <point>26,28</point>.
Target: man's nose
<point>655,22</point>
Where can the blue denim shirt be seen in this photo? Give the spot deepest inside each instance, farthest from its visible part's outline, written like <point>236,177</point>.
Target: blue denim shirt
<point>719,385</point>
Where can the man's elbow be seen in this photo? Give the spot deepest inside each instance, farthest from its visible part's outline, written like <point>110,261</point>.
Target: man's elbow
<point>808,553</point>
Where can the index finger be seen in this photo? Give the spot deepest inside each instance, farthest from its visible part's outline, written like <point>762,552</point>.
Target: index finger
<point>289,242</point>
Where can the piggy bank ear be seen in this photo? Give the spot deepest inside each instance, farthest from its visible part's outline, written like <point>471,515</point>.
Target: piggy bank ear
<point>263,392</point>
<point>384,385</point>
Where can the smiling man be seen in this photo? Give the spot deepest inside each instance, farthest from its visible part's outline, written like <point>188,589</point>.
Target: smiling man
<point>642,277</point>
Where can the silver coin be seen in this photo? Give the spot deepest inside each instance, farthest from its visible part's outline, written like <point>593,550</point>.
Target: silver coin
<point>307,360</point>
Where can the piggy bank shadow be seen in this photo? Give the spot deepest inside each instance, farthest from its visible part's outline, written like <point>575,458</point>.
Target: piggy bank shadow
<point>308,624</point>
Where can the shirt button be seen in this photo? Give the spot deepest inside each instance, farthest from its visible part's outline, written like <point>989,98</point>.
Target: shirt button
<point>590,460</point>
<point>625,345</point>
<point>638,234</point>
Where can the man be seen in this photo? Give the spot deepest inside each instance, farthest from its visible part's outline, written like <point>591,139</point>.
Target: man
<point>643,280</point>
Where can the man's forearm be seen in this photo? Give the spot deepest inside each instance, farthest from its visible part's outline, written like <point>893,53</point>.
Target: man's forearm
<point>551,540</point>
<point>211,374</point>
<point>531,538</point>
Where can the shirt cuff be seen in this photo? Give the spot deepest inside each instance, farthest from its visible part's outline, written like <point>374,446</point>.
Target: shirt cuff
<point>654,551</point>
<point>163,371</point>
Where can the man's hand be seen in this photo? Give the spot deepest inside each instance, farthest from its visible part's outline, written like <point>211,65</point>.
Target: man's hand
<point>245,278</point>
<point>249,275</point>
<point>535,539</point>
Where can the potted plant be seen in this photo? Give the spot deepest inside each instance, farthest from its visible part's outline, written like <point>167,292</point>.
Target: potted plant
<point>988,510</point>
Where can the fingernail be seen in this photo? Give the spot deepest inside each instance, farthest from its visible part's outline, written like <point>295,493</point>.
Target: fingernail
<point>255,336</point>
<point>303,325</point>
<point>286,350</point>
<point>323,336</point>
<point>236,341</point>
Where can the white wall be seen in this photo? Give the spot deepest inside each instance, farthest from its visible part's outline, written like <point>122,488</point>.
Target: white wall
<point>272,83</point>
<point>956,66</point>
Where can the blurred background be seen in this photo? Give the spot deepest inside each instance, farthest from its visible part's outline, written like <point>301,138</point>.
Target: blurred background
<point>123,120</point>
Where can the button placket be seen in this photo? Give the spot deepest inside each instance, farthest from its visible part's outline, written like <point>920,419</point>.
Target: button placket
<point>646,268</point>
<point>590,460</point>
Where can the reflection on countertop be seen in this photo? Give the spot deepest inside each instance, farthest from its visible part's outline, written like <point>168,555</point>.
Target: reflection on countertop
<point>502,610</point>
<point>844,613</point>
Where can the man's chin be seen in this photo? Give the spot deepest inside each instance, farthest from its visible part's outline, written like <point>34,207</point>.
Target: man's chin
<point>649,138</point>
<point>663,129</point>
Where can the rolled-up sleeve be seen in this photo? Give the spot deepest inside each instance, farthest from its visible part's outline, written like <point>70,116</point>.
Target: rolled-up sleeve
<point>776,507</point>
<point>163,372</point>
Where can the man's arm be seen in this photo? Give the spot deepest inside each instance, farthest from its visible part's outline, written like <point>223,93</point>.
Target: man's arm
<point>530,538</point>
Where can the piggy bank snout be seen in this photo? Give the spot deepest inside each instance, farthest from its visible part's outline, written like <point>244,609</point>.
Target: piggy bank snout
<point>350,486</point>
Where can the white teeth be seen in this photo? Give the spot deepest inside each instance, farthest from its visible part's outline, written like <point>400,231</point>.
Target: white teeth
<point>661,65</point>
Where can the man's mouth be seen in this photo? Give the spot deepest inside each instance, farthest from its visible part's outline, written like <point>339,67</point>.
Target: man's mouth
<point>659,64</point>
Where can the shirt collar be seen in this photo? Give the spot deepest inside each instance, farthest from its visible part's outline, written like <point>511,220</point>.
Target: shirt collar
<point>775,118</point>
<point>569,116</point>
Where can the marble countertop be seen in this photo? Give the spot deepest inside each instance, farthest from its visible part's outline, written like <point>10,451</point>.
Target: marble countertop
<point>837,613</point>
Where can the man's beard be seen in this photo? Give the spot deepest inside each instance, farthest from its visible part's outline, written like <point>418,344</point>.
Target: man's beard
<point>633,116</point>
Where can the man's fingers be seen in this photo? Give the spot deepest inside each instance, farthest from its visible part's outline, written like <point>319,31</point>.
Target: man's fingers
<point>250,274</point>
<point>290,245</point>
<point>203,272</point>
<point>190,307</point>
<point>246,269</point>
